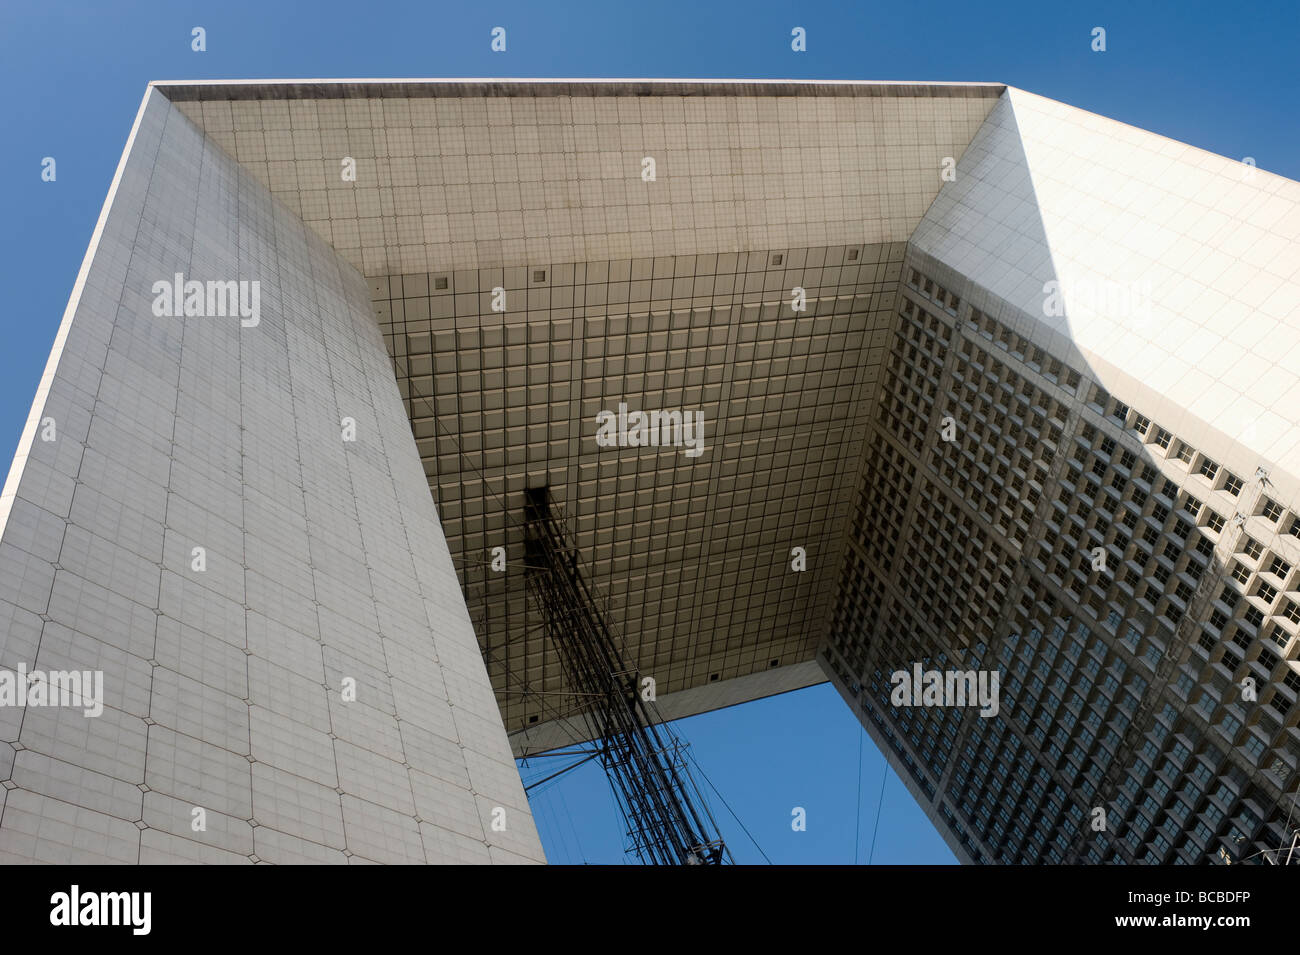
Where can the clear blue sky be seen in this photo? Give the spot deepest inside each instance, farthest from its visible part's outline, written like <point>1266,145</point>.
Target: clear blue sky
<point>1220,76</point>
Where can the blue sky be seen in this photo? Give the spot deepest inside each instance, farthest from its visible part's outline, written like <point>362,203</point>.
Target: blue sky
<point>1220,76</point>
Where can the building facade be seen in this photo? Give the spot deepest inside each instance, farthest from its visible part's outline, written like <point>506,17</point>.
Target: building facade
<point>983,382</point>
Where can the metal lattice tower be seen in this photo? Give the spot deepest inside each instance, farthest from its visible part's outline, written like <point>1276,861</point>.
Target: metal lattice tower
<point>668,823</point>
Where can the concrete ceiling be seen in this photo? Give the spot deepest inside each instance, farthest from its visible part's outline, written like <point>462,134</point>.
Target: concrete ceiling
<point>693,553</point>
<point>497,174</point>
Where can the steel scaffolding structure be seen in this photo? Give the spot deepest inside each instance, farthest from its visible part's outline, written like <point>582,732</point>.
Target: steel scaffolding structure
<point>667,819</point>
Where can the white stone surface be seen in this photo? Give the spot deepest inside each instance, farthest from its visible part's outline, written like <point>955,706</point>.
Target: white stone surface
<point>1050,192</point>
<point>223,686</point>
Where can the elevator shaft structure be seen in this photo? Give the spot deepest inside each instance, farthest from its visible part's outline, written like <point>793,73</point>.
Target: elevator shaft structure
<point>667,821</point>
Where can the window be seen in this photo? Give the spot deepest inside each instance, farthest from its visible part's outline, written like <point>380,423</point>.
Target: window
<point>1214,522</point>
<point>1208,469</point>
<point>1233,485</point>
<point>1291,611</point>
<point>1192,506</point>
<point>1206,705</point>
<point>1253,548</point>
<point>1272,510</point>
<point>1184,451</point>
<point>1279,568</point>
<point>1163,438</point>
<point>1141,424</point>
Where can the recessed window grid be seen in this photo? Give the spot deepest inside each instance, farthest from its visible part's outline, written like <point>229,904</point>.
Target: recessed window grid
<point>978,467</point>
<point>946,299</point>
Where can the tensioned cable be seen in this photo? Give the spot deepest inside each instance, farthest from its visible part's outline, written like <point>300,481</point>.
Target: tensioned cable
<point>691,757</point>
<point>857,831</point>
<point>553,827</point>
<point>879,806</point>
<point>558,773</point>
<point>1287,825</point>
<point>569,816</point>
